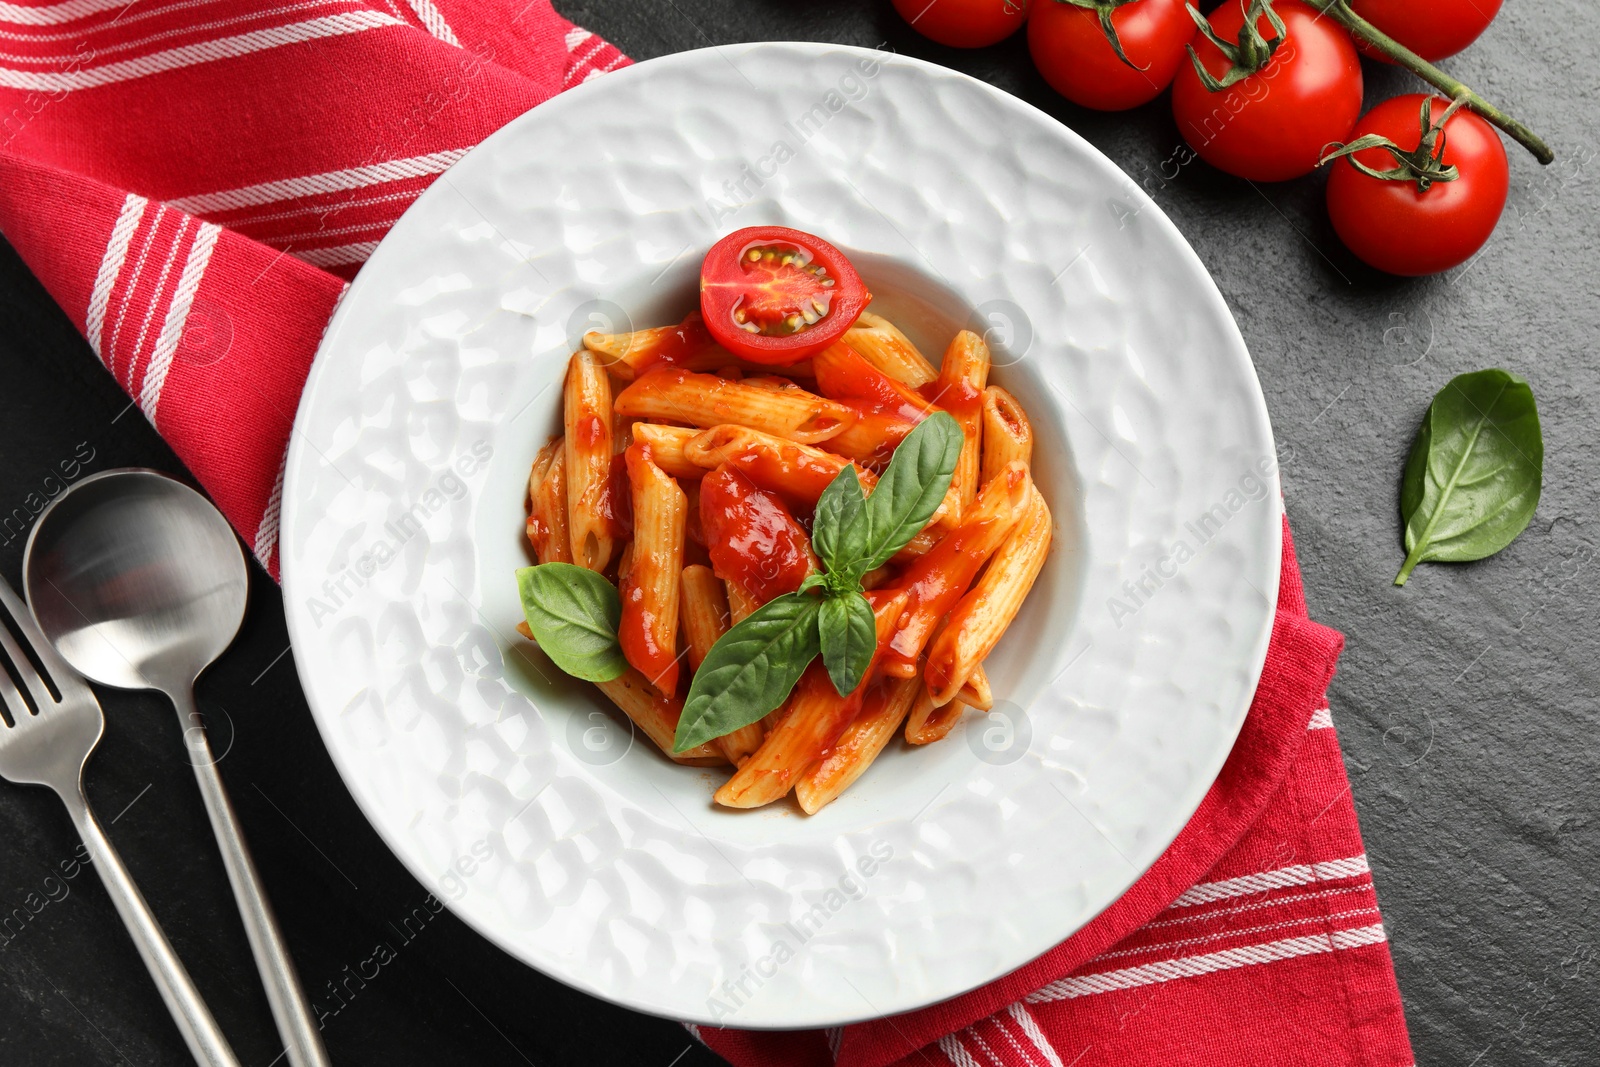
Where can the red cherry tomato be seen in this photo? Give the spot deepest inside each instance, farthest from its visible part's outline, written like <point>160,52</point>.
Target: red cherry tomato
<point>1395,228</point>
<point>1272,125</point>
<point>774,295</point>
<point>964,23</point>
<point>1074,56</point>
<point>1433,29</point>
<point>752,537</point>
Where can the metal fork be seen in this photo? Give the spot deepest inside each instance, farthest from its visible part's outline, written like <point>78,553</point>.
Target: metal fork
<point>49,747</point>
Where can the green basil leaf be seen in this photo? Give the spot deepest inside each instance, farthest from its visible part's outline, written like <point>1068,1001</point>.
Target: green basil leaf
<point>750,670</point>
<point>573,613</point>
<point>1475,471</point>
<point>812,581</point>
<point>905,498</point>
<point>849,637</point>
<point>834,526</point>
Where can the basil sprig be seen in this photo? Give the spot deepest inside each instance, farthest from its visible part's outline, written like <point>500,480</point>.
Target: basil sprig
<point>1475,472</point>
<point>753,667</point>
<point>573,613</point>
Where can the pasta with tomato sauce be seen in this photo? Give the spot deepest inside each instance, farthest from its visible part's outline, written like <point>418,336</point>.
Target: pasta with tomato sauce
<point>689,477</point>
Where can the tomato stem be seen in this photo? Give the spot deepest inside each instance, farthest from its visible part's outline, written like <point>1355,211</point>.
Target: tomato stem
<point>1103,10</point>
<point>1366,32</point>
<point>1424,165</point>
<point>1248,55</point>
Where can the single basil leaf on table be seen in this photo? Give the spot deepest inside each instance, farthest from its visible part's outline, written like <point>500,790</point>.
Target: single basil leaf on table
<point>1475,471</point>
<point>750,670</point>
<point>573,613</point>
<point>833,524</point>
<point>905,498</point>
<point>849,636</point>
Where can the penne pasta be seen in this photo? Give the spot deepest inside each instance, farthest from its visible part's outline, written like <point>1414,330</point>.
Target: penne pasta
<point>975,692</point>
<point>959,390</point>
<point>930,722</point>
<point>872,436</point>
<point>650,590</point>
<point>844,374</point>
<point>887,409</point>
<point>741,602</point>
<point>705,618</point>
<point>1007,433</point>
<point>547,505</point>
<point>587,446</point>
<point>882,712</point>
<point>815,717</point>
<point>627,355</point>
<point>981,617</point>
<point>688,345</point>
<point>798,473</point>
<point>705,400</point>
<point>937,580</point>
<point>656,715</point>
<point>882,344</point>
<point>666,447</point>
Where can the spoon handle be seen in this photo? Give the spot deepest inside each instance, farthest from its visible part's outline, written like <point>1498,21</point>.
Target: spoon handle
<point>200,1031</point>
<point>297,1027</point>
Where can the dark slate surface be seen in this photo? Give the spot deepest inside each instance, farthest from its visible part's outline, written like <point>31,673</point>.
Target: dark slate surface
<point>1465,703</point>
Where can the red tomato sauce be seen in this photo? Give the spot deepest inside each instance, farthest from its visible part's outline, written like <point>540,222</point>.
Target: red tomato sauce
<point>843,374</point>
<point>752,537</point>
<point>935,582</point>
<point>677,344</point>
<point>616,499</point>
<point>589,430</point>
<point>795,475</point>
<point>958,398</point>
<point>636,632</point>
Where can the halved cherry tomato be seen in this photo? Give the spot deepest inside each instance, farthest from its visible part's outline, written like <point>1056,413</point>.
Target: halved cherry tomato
<point>1433,29</point>
<point>752,536</point>
<point>1075,57</point>
<point>775,295</point>
<point>1273,124</point>
<point>964,23</point>
<point>1395,228</point>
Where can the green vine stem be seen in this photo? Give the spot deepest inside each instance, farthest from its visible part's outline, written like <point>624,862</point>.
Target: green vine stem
<point>1340,12</point>
<point>1103,10</point>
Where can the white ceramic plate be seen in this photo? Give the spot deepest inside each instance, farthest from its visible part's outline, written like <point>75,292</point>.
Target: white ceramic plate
<point>520,799</point>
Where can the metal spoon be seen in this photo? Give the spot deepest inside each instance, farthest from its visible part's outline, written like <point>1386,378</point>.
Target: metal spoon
<point>139,582</point>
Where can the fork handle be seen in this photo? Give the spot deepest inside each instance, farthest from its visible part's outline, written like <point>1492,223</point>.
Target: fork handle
<point>199,1029</point>
<point>291,1010</point>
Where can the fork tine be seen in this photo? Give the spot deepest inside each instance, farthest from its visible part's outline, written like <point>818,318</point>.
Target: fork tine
<point>23,620</point>
<point>11,701</point>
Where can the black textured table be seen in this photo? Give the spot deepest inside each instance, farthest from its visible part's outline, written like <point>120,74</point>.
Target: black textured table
<point>1465,703</point>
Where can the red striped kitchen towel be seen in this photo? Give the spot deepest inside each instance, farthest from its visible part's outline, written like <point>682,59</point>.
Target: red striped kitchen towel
<point>195,180</point>
<point>1254,941</point>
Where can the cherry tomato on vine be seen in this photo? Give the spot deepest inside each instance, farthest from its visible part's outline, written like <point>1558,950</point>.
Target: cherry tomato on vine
<point>964,23</point>
<point>1072,52</point>
<point>775,295</point>
<point>1272,124</point>
<point>1433,29</point>
<point>1397,228</point>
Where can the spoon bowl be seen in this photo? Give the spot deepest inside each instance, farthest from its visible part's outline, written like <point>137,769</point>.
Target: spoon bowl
<point>137,580</point>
